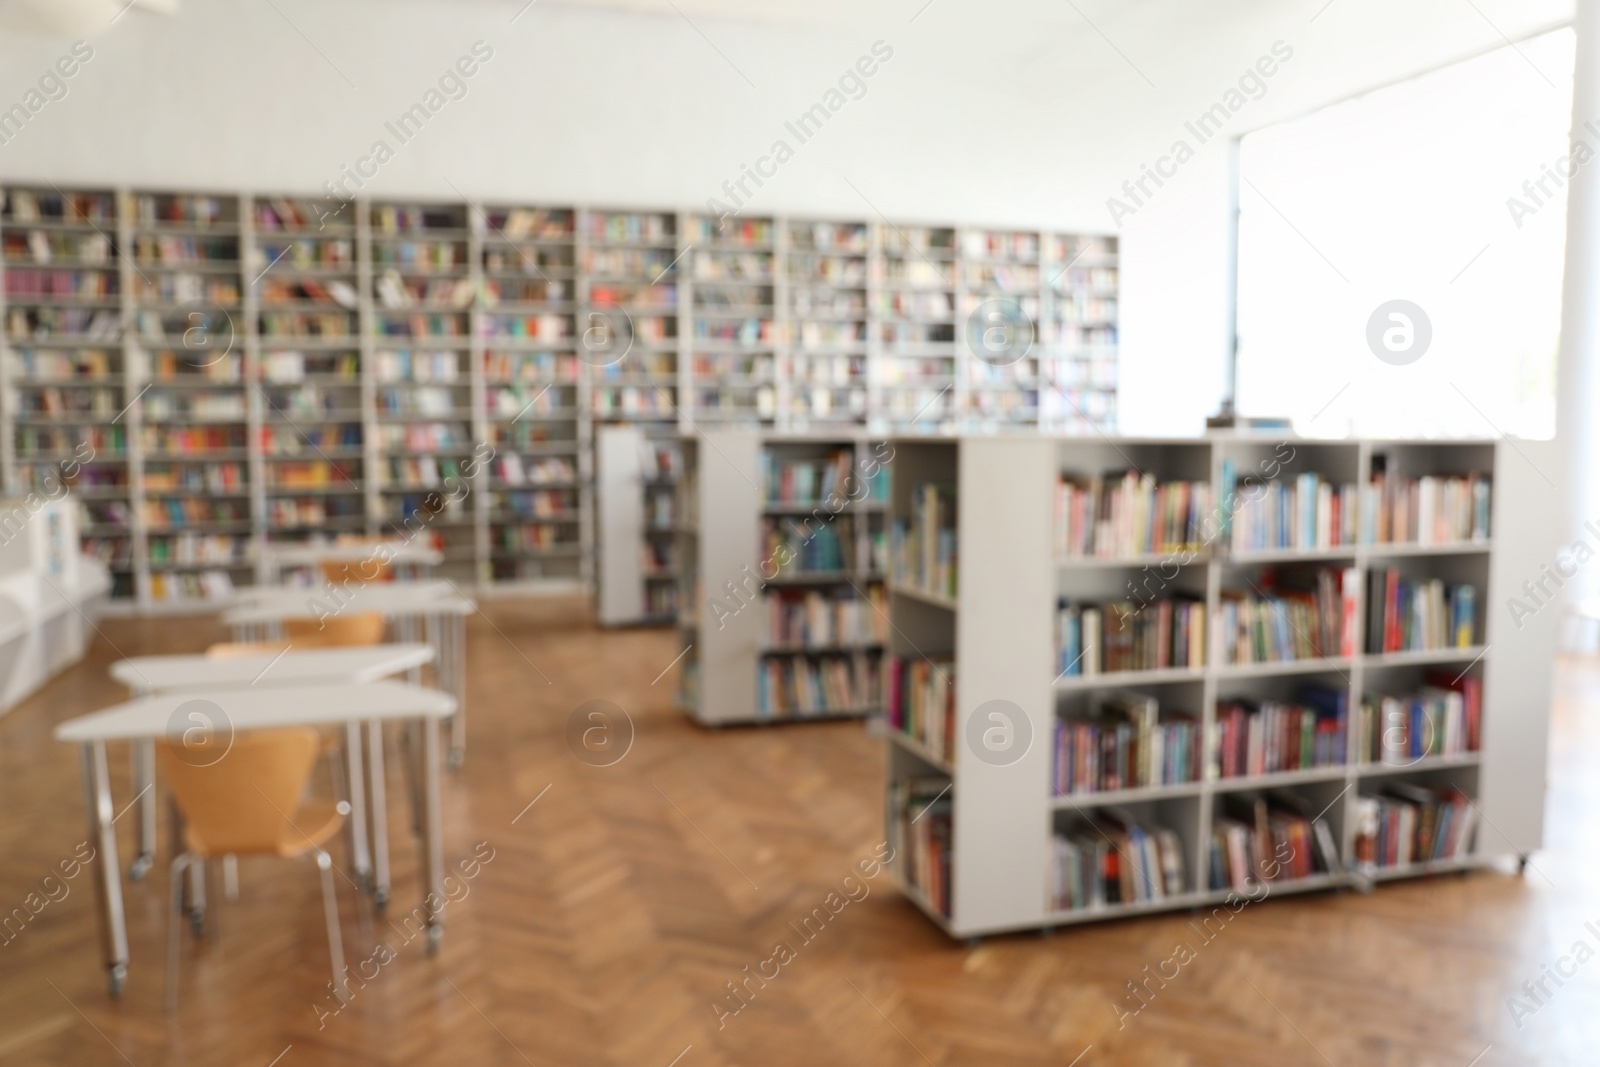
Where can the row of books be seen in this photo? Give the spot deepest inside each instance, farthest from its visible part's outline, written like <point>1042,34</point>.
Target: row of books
<point>425,437</point>
<point>287,367</point>
<point>33,284</point>
<point>1126,744</point>
<point>43,365</point>
<point>41,324</point>
<point>209,477</point>
<point>1128,515</point>
<point>189,209</point>
<point>1306,615</point>
<point>798,686</point>
<point>103,403</point>
<point>1123,635</point>
<point>921,705</point>
<point>313,512</point>
<point>799,546</point>
<point>158,406</point>
<point>193,440</point>
<point>438,401</point>
<point>1113,858</point>
<point>189,548</point>
<point>815,619</point>
<point>920,822</point>
<point>151,250</point>
<point>317,474</point>
<point>396,291</point>
<point>45,247</point>
<point>1444,719</point>
<point>394,218</point>
<point>170,367</point>
<point>23,205</point>
<point>1413,824</point>
<point>167,588</point>
<point>807,481</point>
<point>1430,510</point>
<point>540,504</point>
<point>513,469</point>
<point>1412,615</point>
<point>420,324</point>
<point>327,325</point>
<point>421,256</point>
<point>171,513</point>
<point>307,253</point>
<point>1264,839</point>
<point>1265,737</point>
<point>537,538</point>
<point>1306,512</point>
<point>184,287</point>
<point>426,367</point>
<point>306,439</point>
<point>922,548</point>
<point>529,367</point>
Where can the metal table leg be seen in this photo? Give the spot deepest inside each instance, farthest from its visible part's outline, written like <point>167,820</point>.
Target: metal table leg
<point>432,836</point>
<point>359,857</point>
<point>380,816</point>
<point>144,786</point>
<point>108,879</point>
<point>455,627</point>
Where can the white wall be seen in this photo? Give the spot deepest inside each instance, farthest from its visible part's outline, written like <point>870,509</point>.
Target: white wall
<point>1021,113</point>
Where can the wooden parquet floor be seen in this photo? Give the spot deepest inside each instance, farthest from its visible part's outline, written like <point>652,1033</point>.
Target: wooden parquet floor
<point>620,904</point>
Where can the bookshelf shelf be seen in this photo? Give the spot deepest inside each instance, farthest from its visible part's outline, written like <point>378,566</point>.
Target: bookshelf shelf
<point>934,599</point>
<point>987,829</point>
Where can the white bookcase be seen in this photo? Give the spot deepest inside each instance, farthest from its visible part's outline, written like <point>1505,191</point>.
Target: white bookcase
<point>999,630</point>
<point>743,666</point>
<point>257,368</point>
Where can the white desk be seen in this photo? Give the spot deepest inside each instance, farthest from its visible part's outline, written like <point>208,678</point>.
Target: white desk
<point>402,555</point>
<point>331,596</point>
<point>144,675</point>
<point>441,612</point>
<point>256,708</point>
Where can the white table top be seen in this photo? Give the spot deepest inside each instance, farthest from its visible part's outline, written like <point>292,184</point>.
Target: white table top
<point>389,599</point>
<point>306,555</point>
<point>298,666</point>
<point>259,708</point>
<point>254,594</point>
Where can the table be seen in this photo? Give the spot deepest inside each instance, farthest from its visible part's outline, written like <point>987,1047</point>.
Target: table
<point>437,606</point>
<point>404,556</point>
<point>144,675</point>
<point>255,708</point>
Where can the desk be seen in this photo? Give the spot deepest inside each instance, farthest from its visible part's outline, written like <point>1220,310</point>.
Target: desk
<point>257,708</point>
<point>440,610</point>
<point>331,596</point>
<point>404,556</point>
<point>144,675</point>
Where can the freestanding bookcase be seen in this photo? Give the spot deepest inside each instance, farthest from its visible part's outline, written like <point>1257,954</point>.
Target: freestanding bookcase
<point>732,508</point>
<point>998,630</point>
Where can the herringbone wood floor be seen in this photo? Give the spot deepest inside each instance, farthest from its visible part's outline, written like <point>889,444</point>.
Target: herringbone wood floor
<point>618,906</point>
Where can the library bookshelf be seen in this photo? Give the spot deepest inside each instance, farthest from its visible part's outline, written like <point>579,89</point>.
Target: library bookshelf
<point>782,547</point>
<point>257,368</point>
<point>976,813</point>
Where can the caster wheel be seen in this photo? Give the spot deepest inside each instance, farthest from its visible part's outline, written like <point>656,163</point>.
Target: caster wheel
<point>380,900</point>
<point>435,935</point>
<point>974,942</point>
<point>140,867</point>
<point>1522,865</point>
<point>197,923</point>
<point>116,978</point>
<point>455,759</point>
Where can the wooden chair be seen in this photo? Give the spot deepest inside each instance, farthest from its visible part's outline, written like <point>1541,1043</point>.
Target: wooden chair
<point>337,572</point>
<point>338,631</point>
<point>248,803</point>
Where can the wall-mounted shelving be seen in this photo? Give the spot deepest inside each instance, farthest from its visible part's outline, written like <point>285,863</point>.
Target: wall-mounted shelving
<point>263,368</point>
<point>1184,776</point>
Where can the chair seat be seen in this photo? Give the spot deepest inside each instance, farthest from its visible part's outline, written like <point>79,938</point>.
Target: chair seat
<point>315,824</point>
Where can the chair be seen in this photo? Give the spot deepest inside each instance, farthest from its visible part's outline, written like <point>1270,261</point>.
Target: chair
<point>337,572</point>
<point>338,631</point>
<point>248,803</point>
<point>239,649</point>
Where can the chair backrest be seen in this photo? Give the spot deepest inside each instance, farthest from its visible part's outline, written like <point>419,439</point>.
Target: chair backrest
<point>337,572</point>
<point>236,649</point>
<point>339,631</point>
<point>245,802</point>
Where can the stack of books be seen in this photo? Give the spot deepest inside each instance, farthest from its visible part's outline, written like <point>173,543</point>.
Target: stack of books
<point>1127,745</point>
<point>923,550</point>
<point>1306,513</point>
<point>1111,859</point>
<point>920,833</point>
<point>1264,839</point>
<point>1127,636</point>
<point>1128,515</point>
<point>1444,719</point>
<point>1413,824</point>
<point>922,695</point>
<point>1415,615</point>
<point>1431,510</point>
<point>1251,738</point>
<point>1313,619</point>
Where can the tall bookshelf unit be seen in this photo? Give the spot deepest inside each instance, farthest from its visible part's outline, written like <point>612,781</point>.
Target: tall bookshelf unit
<point>782,635</point>
<point>994,813</point>
<point>260,368</point>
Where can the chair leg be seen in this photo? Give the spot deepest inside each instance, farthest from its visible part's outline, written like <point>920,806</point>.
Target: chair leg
<point>330,908</point>
<point>175,927</point>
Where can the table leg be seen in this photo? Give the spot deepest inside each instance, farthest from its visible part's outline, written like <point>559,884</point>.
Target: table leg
<point>380,815</point>
<point>432,835</point>
<point>456,629</point>
<point>108,879</point>
<point>358,803</point>
<point>144,786</point>
<point>407,625</point>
